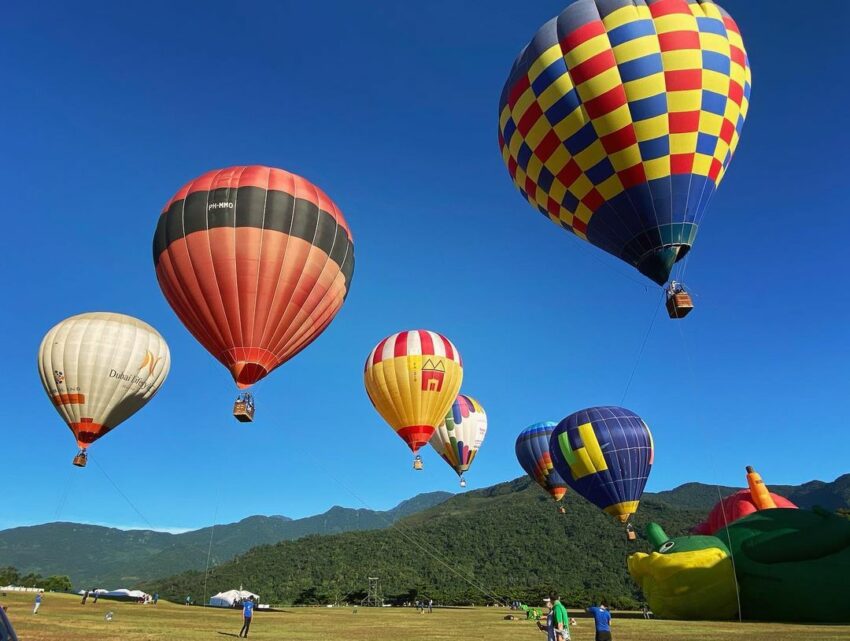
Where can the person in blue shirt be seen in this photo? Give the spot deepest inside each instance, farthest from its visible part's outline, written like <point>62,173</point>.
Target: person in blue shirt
<point>602,619</point>
<point>247,614</point>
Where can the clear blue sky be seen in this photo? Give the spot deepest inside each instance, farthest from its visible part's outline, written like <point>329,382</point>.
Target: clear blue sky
<point>391,108</point>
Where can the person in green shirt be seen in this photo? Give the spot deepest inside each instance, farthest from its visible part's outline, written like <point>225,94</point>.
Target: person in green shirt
<point>560,618</point>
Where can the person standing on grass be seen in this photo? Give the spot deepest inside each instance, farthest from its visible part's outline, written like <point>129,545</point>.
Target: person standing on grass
<point>96,595</point>
<point>602,619</point>
<point>155,598</point>
<point>549,626</point>
<point>560,618</point>
<point>85,597</point>
<point>247,615</point>
<point>37,603</point>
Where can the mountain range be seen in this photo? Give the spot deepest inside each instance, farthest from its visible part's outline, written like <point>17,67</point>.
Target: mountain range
<point>504,542</point>
<point>95,556</point>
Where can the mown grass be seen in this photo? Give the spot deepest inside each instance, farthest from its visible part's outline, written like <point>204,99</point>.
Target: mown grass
<point>62,618</point>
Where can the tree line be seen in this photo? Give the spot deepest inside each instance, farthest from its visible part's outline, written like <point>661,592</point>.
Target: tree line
<point>56,583</point>
<point>511,544</point>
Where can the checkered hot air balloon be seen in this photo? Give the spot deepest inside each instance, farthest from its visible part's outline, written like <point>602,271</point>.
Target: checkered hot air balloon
<point>619,119</point>
<point>532,452</point>
<point>605,454</point>
<point>412,379</point>
<point>256,262</point>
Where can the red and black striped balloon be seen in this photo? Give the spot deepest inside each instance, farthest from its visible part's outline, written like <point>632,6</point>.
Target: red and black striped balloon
<point>256,262</point>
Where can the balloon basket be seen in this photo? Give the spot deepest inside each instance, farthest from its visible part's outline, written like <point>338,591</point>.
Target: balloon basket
<point>631,535</point>
<point>679,305</point>
<point>462,482</point>
<point>81,459</point>
<point>562,510</point>
<point>417,463</point>
<point>243,408</point>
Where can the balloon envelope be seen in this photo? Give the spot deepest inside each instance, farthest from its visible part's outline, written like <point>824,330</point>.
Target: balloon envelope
<point>619,119</point>
<point>412,379</point>
<point>532,452</point>
<point>605,454</point>
<point>100,368</point>
<point>458,438</point>
<point>256,262</point>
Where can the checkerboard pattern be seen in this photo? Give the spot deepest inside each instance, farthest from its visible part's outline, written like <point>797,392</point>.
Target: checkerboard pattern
<point>619,120</point>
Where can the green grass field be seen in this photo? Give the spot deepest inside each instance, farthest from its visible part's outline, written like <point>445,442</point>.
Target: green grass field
<point>63,618</point>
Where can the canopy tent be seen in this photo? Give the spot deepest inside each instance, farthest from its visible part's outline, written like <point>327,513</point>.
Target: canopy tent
<point>232,597</point>
<point>122,594</point>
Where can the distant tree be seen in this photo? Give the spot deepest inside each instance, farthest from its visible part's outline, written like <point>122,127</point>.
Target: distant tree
<point>9,576</point>
<point>30,580</point>
<point>310,596</point>
<point>57,583</point>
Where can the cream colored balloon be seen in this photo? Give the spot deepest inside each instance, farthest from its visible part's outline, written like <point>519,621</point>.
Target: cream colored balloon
<point>460,436</point>
<point>99,369</point>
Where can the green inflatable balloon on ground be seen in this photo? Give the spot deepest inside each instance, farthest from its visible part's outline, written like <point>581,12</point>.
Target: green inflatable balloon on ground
<point>688,577</point>
<point>792,565</point>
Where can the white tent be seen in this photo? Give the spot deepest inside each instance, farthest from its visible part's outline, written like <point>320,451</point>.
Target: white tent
<point>122,594</point>
<point>229,598</point>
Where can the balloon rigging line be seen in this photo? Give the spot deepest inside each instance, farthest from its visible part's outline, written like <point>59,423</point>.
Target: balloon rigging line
<point>589,251</point>
<point>63,497</point>
<point>118,489</point>
<point>209,550</point>
<point>731,554</point>
<point>690,362</point>
<point>397,527</point>
<point>642,346</point>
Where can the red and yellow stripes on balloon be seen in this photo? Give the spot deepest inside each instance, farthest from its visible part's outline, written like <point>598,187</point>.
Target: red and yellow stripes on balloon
<point>256,262</point>
<point>544,468</point>
<point>413,378</point>
<point>532,452</point>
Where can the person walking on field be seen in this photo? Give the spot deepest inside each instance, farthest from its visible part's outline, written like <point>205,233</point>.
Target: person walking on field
<point>247,615</point>
<point>560,618</point>
<point>37,603</point>
<point>602,619</point>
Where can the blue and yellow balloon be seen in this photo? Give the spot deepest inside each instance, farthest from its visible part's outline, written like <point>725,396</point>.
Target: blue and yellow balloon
<point>605,454</point>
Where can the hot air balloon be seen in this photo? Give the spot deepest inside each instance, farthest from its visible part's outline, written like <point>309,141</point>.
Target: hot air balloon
<point>458,438</point>
<point>412,379</point>
<point>256,262</point>
<point>532,452</point>
<point>605,454</point>
<point>99,369</point>
<point>619,119</point>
